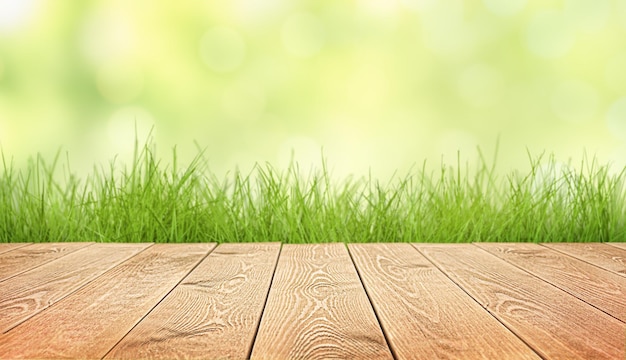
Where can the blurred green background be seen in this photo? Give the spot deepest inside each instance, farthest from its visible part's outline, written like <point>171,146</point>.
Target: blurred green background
<point>380,85</point>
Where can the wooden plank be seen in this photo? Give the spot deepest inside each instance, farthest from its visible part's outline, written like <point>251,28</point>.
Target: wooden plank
<point>88,323</point>
<point>599,254</point>
<point>31,292</point>
<point>214,313</point>
<point>555,324</point>
<point>620,245</point>
<point>598,287</point>
<point>317,308</point>
<point>27,257</point>
<point>424,314</point>
<point>4,247</point>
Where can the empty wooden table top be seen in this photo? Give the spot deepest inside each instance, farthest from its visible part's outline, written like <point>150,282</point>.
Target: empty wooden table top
<point>313,301</point>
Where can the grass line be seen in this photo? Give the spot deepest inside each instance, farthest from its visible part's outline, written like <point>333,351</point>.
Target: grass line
<point>150,202</point>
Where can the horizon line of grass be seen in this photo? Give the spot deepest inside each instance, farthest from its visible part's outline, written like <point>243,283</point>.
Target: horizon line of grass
<point>148,202</point>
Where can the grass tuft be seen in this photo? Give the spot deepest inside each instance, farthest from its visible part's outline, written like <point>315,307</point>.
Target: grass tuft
<point>150,202</point>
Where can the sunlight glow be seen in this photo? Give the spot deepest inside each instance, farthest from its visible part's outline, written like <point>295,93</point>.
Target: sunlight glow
<point>15,13</point>
<point>110,34</point>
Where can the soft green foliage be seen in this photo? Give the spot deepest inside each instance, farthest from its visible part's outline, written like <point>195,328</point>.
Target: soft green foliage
<point>149,202</point>
<point>373,82</point>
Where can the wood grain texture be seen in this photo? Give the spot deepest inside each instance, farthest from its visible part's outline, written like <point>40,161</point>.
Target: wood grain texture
<point>317,309</point>
<point>213,314</point>
<point>4,247</point>
<point>620,245</point>
<point>555,324</point>
<point>599,254</point>
<point>28,257</point>
<point>91,321</point>
<point>424,314</point>
<point>598,287</point>
<point>32,291</point>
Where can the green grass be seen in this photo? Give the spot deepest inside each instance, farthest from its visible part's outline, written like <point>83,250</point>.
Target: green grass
<point>150,202</point>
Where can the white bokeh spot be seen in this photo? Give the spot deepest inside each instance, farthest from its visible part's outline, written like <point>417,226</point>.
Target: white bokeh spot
<point>15,13</point>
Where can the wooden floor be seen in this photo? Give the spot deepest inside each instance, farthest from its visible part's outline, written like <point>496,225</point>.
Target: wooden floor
<point>264,301</point>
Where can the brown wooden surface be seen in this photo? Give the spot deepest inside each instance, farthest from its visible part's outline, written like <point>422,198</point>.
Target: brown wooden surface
<point>214,313</point>
<point>554,323</point>
<point>602,289</point>
<point>4,247</point>
<point>318,309</point>
<point>621,245</point>
<point>308,301</point>
<point>88,323</point>
<point>27,257</point>
<point>29,293</point>
<point>599,254</point>
<point>424,314</point>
